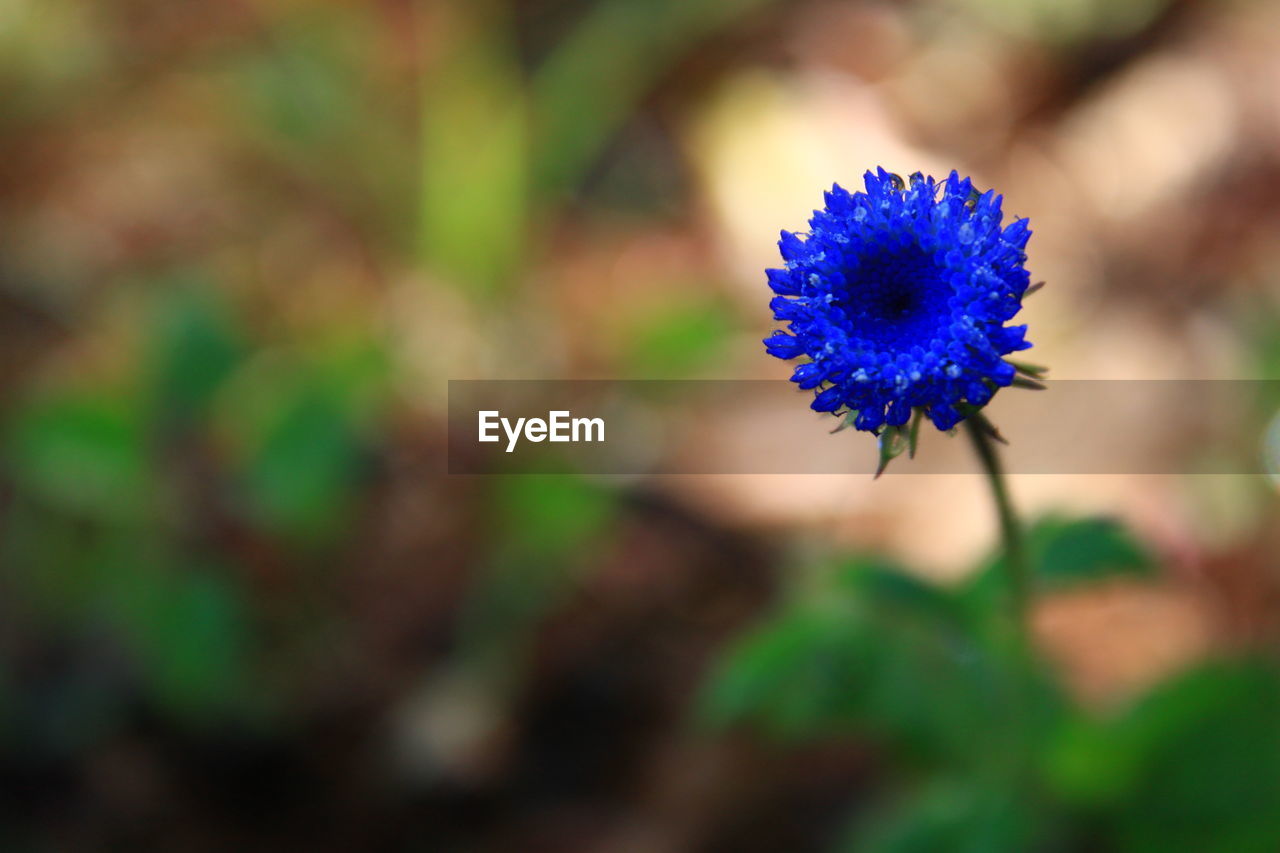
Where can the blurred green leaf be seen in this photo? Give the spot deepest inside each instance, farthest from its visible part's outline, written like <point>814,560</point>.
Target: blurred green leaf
<point>1193,765</point>
<point>299,90</point>
<point>789,676</point>
<point>543,529</point>
<point>54,562</point>
<point>296,425</point>
<point>51,52</point>
<point>474,151</point>
<point>1259,321</point>
<point>1209,747</point>
<point>1087,764</point>
<point>970,815</point>
<point>1066,552</point>
<point>550,517</point>
<point>183,630</point>
<point>305,81</point>
<point>592,82</point>
<point>84,452</point>
<point>298,480</point>
<point>195,346</point>
<point>189,632</point>
<point>675,340</point>
<point>355,371</point>
<point>880,652</point>
<point>317,92</point>
<point>494,148</point>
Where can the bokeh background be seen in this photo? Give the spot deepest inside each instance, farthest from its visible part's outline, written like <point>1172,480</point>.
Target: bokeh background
<point>243,246</point>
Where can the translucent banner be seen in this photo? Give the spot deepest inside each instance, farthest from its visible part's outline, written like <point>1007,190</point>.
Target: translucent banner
<point>766,427</point>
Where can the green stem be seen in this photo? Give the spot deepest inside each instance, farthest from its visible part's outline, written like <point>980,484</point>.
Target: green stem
<point>1019,697</point>
<point>1015,561</point>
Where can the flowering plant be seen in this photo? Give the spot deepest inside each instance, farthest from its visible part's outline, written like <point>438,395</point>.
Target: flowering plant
<point>898,299</point>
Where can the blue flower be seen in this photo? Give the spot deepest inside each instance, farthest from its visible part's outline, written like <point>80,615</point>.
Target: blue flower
<point>898,299</point>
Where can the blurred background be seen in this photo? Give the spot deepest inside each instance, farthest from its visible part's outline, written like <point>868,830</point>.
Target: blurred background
<point>244,244</point>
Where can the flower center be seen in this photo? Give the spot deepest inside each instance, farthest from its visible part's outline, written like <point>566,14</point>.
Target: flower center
<point>896,302</point>
<point>895,299</point>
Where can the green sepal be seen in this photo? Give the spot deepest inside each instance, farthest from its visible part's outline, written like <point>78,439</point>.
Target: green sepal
<point>846,421</point>
<point>1032,371</point>
<point>975,414</point>
<point>913,439</point>
<point>893,442</point>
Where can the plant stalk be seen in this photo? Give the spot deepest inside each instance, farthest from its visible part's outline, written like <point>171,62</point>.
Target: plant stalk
<point>1017,567</point>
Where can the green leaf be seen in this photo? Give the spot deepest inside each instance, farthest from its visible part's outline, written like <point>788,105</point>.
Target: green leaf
<point>474,200</point>
<point>1067,552</point>
<point>592,82</point>
<point>84,452</point>
<point>298,88</point>
<point>1088,764</point>
<point>676,340</point>
<point>1071,551</point>
<point>543,525</point>
<point>793,677</point>
<point>299,478</point>
<point>550,517</point>
<point>184,629</point>
<point>954,816</point>
<point>195,347</point>
<point>1208,748</point>
<point>879,652</point>
<point>295,426</point>
<point>188,630</point>
<point>1193,765</point>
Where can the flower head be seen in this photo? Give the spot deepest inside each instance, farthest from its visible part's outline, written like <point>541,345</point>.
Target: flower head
<point>899,296</point>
